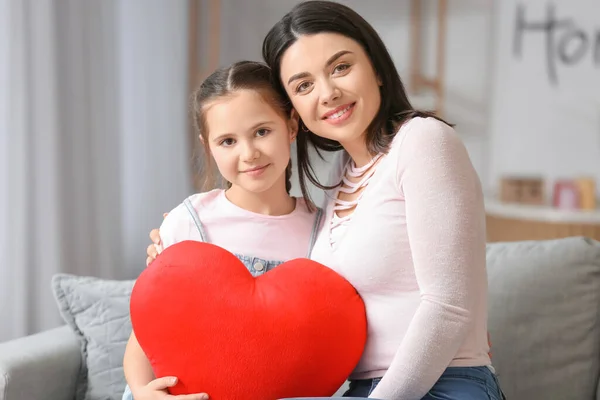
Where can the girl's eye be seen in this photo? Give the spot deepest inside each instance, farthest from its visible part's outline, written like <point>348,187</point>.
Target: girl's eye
<point>304,86</point>
<point>341,68</point>
<point>227,142</point>
<point>262,132</point>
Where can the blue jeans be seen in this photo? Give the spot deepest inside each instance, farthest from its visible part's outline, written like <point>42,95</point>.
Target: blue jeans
<point>456,383</point>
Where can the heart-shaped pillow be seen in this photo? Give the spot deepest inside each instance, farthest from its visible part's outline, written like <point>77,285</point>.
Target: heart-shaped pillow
<point>199,315</point>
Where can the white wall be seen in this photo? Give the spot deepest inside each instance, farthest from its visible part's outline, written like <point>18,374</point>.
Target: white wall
<point>244,25</point>
<point>541,126</point>
<point>468,76</point>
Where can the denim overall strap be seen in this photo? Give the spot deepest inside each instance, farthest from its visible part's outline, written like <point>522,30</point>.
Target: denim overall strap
<point>315,231</point>
<point>196,219</point>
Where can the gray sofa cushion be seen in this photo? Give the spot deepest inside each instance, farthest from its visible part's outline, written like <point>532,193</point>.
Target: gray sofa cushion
<point>543,317</point>
<point>98,312</point>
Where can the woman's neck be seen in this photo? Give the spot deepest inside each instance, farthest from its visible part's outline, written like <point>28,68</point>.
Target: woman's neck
<point>358,151</point>
<point>274,201</point>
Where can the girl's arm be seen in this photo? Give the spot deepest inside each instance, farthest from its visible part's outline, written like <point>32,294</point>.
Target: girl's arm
<point>137,368</point>
<point>141,380</point>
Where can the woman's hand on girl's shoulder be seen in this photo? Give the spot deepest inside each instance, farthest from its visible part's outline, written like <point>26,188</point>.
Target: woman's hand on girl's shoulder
<point>154,249</point>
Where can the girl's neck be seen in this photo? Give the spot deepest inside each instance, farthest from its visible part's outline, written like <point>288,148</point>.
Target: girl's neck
<point>274,201</point>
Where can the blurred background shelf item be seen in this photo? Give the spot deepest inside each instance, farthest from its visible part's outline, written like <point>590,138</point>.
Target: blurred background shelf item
<point>513,222</point>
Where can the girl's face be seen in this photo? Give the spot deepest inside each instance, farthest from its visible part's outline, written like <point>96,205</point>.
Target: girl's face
<point>332,84</point>
<point>249,141</point>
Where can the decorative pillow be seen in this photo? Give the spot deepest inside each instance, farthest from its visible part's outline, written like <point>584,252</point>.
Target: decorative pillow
<point>98,312</point>
<point>544,303</point>
<point>298,330</point>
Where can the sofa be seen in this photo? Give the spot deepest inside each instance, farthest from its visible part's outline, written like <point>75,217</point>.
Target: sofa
<point>544,323</point>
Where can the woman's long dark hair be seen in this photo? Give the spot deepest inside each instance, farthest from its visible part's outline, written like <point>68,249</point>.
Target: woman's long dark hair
<point>313,17</point>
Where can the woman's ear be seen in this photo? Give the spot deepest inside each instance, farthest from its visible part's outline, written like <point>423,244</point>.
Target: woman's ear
<point>293,125</point>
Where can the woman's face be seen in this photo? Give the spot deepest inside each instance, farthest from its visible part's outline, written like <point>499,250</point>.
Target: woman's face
<point>332,84</point>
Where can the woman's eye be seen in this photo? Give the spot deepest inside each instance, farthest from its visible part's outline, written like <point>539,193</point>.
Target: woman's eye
<point>341,68</point>
<point>262,132</point>
<point>304,86</point>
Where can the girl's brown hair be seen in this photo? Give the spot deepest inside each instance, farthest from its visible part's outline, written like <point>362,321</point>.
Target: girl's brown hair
<point>242,75</point>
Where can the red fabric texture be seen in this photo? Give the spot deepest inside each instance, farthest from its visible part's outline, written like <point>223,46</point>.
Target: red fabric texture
<point>198,314</point>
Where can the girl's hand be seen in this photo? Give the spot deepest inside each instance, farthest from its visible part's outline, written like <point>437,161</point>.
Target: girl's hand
<point>157,390</point>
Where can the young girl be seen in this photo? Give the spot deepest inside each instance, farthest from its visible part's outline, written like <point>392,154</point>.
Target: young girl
<point>247,130</point>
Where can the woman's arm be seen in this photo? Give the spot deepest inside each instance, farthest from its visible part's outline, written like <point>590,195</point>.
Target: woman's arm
<point>445,220</point>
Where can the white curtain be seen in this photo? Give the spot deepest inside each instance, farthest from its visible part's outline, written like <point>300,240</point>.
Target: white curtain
<point>93,143</point>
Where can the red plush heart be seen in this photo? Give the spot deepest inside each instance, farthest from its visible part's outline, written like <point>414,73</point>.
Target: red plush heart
<point>198,314</point>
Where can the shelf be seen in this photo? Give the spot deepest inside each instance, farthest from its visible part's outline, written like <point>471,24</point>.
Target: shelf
<point>545,213</point>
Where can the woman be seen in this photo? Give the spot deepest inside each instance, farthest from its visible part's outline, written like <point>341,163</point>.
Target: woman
<point>405,220</point>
